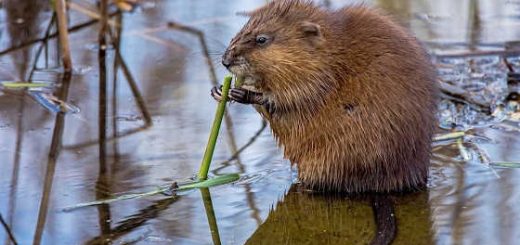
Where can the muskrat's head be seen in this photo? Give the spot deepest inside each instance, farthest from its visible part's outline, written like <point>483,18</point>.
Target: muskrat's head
<point>278,44</point>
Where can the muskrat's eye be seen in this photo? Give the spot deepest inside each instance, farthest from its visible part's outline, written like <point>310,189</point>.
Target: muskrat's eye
<point>262,39</point>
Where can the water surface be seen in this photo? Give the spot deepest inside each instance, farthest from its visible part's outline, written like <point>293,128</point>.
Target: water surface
<point>133,140</point>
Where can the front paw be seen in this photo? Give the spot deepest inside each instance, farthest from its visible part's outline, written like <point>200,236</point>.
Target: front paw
<point>246,97</point>
<point>216,93</point>
<point>239,95</point>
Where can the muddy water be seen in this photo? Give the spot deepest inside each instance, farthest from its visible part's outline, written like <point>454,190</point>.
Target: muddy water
<point>146,125</point>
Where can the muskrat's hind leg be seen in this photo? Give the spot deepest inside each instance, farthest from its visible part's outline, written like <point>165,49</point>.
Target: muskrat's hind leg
<point>239,95</point>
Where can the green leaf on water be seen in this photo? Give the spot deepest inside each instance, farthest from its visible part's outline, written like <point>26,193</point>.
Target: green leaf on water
<point>219,180</point>
<point>24,85</point>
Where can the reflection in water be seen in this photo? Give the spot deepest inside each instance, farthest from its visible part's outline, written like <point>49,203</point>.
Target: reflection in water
<point>138,98</point>
<point>54,152</point>
<point>7,229</point>
<point>304,218</point>
<point>134,221</point>
<point>210,214</point>
<point>384,216</point>
<point>22,24</point>
<point>103,185</point>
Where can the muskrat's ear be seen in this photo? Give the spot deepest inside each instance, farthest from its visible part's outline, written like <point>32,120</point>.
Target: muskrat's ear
<point>312,32</point>
<point>311,29</point>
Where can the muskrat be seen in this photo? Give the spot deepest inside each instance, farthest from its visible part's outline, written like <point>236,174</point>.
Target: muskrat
<point>349,94</point>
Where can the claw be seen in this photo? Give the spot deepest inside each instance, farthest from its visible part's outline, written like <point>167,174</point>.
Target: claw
<point>216,93</point>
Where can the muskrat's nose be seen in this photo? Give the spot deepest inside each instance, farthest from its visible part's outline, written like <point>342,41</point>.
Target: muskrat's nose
<point>227,59</point>
<point>226,62</point>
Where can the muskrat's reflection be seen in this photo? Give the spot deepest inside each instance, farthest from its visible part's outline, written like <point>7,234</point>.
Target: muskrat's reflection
<point>305,218</point>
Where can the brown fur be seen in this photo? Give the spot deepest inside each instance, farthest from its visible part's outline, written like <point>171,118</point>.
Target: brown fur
<point>352,104</point>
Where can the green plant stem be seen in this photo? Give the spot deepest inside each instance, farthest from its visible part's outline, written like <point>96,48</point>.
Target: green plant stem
<point>210,148</point>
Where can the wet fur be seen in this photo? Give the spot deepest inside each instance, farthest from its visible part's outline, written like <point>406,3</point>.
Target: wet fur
<point>353,106</point>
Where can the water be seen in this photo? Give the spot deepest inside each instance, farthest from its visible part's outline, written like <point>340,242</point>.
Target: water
<point>156,134</point>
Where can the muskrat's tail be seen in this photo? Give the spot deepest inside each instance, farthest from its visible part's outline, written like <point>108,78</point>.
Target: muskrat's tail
<point>386,225</point>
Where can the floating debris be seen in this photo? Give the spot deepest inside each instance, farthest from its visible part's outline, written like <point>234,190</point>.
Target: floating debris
<point>476,91</point>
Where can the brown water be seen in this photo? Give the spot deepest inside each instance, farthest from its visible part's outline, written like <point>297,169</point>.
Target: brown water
<point>133,140</point>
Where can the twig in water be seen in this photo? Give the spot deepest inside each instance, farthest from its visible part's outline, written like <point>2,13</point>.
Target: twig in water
<point>449,136</point>
<point>61,13</point>
<point>53,35</point>
<point>459,95</point>
<point>8,230</point>
<point>54,152</point>
<point>463,151</point>
<point>43,46</point>
<point>485,159</point>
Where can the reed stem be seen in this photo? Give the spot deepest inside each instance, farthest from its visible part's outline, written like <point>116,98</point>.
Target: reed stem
<point>210,147</point>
